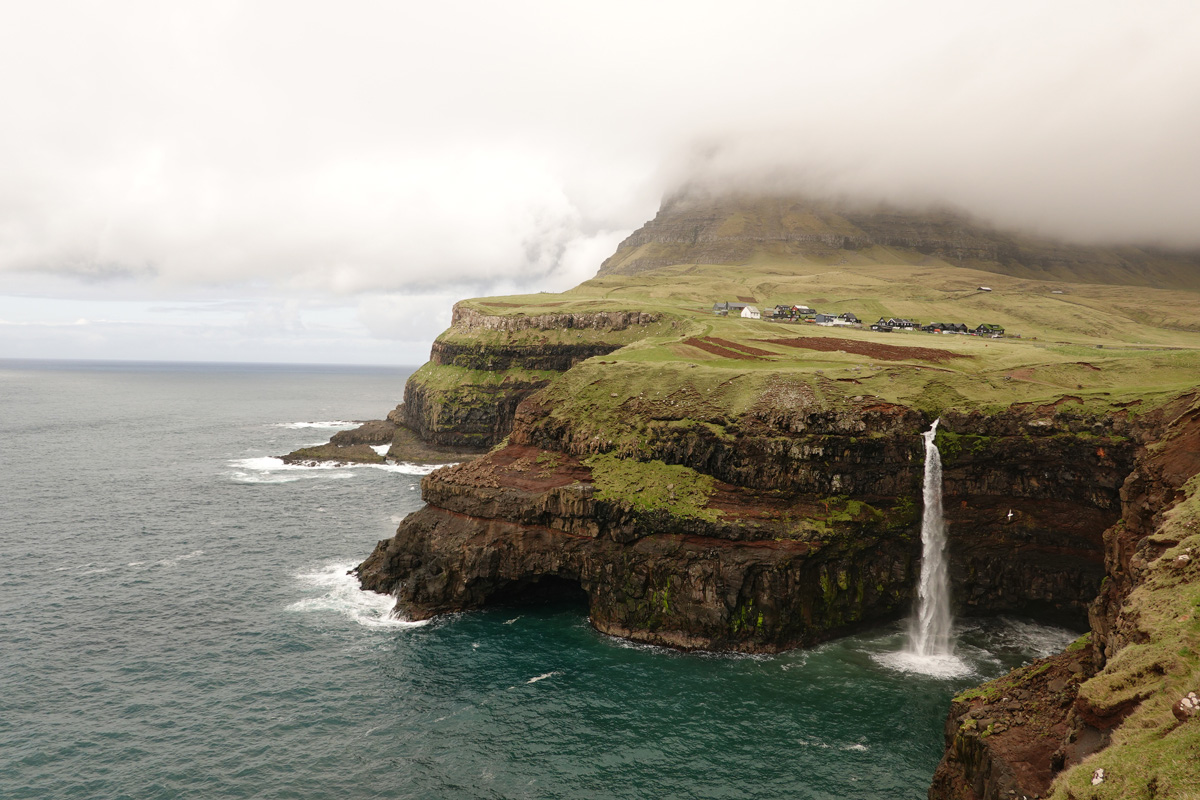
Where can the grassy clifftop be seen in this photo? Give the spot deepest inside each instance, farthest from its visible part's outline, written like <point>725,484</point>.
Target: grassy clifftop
<point>1100,347</point>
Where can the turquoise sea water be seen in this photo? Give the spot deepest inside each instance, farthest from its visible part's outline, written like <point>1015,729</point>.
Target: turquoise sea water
<point>175,621</point>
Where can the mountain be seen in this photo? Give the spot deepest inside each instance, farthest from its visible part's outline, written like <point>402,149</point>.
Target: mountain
<point>741,230</point>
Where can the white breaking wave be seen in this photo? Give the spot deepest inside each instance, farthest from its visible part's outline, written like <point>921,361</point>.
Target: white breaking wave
<point>333,423</point>
<point>269,469</point>
<point>342,595</point>
<point>543,677</point>
<point>381,449</point>
<point>407,468</point>
<point>812,743</point>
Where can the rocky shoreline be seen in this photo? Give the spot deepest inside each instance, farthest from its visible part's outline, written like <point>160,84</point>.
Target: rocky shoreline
<point>744,507</point>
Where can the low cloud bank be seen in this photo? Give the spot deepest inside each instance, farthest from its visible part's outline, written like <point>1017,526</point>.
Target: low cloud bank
<point>382,151</point>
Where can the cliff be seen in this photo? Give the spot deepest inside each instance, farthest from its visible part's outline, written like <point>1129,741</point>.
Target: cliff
<point>754,485</point>
<point>742,542</point>
<point>1112,717</point>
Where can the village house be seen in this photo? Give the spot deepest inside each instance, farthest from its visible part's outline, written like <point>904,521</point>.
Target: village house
<point>750,312</point>
<point>902,324</point>
<point>895,323</point>
<point>988,329</point>
<point>829,320</point>
<point>723,309</point>
<point>945,327</point>
<point>793,312</point>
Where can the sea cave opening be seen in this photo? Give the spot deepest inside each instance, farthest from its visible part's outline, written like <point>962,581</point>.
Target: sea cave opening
<point>544,590</point>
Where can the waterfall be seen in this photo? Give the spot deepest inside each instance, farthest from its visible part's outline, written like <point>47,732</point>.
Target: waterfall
<point>929,631</point>
<point>930,648</point>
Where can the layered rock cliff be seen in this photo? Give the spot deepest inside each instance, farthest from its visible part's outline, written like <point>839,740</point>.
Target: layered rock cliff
<point>464,399</point>
<point>806,525</point>
<point>704,482</point>
<point>1116,695</point>
<point>481,369</point>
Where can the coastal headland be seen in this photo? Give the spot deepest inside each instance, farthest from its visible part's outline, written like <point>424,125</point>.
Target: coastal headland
<point>726,481</point>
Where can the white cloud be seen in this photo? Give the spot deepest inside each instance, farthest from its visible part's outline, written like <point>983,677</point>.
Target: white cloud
<point>381,154</point>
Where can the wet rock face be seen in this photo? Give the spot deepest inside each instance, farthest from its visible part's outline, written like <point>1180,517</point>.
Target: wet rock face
<point>1077,711</point>
<point>497,358</point>
<point>1149,491</point>
<point>474,416</point>
<point>1011,736</point>
<point>784,563</point>
<point>688,585</point>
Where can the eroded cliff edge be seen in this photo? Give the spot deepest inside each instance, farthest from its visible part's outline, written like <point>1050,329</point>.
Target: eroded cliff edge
<point>700,513</point>
<point>765,538</point>
<point>712,482</point>
<point>1114,716</point>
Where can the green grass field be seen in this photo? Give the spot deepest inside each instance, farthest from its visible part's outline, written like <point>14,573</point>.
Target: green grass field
<point>1106,346</point>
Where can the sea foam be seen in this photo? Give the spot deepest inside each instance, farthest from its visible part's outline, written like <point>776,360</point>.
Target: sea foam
<point>269,469</point>
<point>944,666</point>
<point>341,594</point>
<point>333,423</point>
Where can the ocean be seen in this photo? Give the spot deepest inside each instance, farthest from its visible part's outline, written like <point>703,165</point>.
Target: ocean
<point>177,622</point>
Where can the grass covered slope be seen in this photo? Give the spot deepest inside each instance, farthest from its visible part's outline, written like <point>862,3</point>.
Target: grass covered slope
<point>1156,751</point>
<point>1100,347</point>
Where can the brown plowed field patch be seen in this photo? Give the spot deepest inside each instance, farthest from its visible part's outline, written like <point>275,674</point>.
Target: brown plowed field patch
<point>717,350</point>
<point>883,352</point>
<point>745,348</point>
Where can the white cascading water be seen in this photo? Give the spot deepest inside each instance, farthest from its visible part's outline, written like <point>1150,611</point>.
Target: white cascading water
<point>929,631</point>
<point>930,648</point>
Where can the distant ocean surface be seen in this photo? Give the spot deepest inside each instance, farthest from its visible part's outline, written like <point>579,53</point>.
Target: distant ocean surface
<point>176,621</point>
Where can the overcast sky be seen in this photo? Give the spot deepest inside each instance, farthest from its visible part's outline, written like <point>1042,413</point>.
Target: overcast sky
<point>319,182</point>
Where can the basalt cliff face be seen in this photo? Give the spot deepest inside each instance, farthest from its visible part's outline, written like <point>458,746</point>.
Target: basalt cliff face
<point>703,482</point>
<point>1120,693</point>
<point>808,531</point>
<point>468,393</point>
